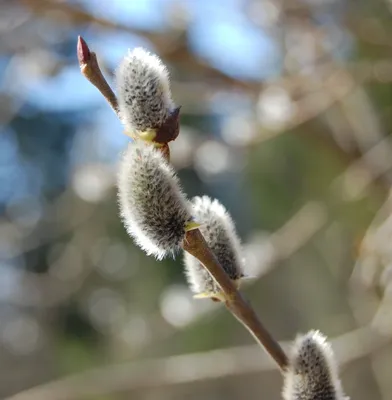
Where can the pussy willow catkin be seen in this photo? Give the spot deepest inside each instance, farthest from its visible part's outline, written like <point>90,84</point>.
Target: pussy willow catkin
<point>218,229</point>
<point>312,373</point>
<point>153,207</point>
<point>144,96</point>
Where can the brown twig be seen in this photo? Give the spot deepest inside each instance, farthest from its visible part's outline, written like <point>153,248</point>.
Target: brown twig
<point>196,245</point>
<point>90,69</point>
<point>194,242</point>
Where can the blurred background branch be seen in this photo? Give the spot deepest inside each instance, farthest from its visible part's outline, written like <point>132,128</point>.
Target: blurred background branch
<point>190,368</point>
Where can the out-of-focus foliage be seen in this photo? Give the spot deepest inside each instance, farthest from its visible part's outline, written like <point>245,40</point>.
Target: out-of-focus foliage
<point>286,116</point>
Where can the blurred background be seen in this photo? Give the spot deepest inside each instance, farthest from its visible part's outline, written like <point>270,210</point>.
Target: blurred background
<point>286,119</point>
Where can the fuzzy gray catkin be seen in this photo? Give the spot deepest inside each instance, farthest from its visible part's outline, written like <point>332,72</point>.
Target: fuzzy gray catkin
<point>312,373</point>
<point>153,207</point>
<point>218,229</point>
<point>143,88</point>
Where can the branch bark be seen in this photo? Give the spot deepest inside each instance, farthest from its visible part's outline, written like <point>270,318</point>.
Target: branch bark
<point>92,72</point>
<point>196,245</point>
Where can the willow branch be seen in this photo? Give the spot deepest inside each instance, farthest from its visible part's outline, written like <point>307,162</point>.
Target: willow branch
<point>196,245</point>
<point>194,242</point>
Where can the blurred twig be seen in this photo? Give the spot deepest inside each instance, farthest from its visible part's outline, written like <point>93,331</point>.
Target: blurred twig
<point>189,368</point>
<point>372,166</point>
<point>76,15</point>
<point>320,93</point>
<point>298,230</point>
<point>173,46</point>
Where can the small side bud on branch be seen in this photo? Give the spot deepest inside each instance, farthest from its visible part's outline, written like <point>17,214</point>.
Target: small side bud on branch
<point>218,230</point>
<point>153,207</point>
<point>144,98</point>
<point>312,372</point>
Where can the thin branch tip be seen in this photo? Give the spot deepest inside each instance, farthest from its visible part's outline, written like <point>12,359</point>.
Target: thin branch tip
<point>90,69</point>
<point>83,51</point>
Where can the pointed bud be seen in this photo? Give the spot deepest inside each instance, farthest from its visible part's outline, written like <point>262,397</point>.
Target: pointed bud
<point>312,372</point>
<point>218,230</point>
<point>155,212</point>
<point>83,52</point>
<point>144,97</point>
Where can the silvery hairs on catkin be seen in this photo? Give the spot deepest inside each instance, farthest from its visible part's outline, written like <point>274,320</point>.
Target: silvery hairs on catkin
<point>312,373</point>
<point>153,207</point>
<point>219,232</point>
<point>143,88</point>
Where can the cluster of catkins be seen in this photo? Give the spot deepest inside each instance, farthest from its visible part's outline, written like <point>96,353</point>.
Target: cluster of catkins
<point>157,214</point>
<point>153,207</point>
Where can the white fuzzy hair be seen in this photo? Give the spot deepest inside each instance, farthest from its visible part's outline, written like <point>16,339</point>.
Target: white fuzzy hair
<point>143,91</point>
<point>312,373</point>
<point>219,232</point>
<point>153,207</point>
